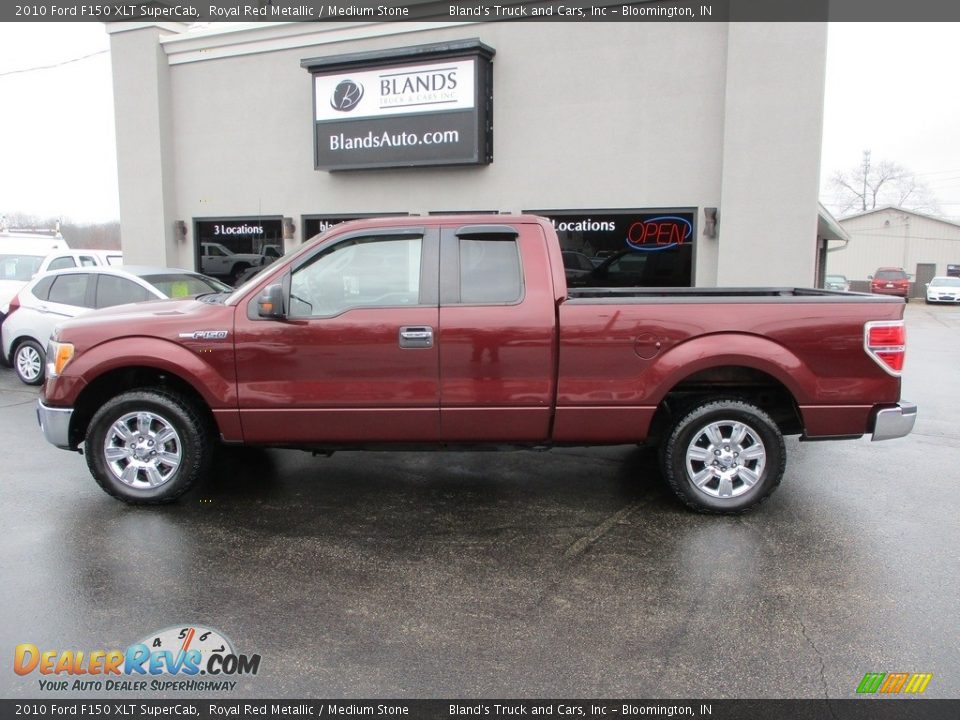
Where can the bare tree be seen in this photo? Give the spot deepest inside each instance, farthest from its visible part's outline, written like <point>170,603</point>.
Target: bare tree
<point>883,183</point>
<point>93,236</point>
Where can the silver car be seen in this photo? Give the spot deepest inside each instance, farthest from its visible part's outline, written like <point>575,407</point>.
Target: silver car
<point>836,282</point>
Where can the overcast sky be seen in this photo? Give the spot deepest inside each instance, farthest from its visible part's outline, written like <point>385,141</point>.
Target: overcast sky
<point>892,88</point>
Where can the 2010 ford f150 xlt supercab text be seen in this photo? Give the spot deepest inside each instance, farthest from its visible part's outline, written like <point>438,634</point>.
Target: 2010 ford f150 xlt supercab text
<point>396,333</point>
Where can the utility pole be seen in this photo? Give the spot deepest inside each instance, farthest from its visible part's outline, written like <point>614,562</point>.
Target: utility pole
<point>866,172</point>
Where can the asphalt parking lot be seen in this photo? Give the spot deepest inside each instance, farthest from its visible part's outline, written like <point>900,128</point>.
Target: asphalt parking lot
<point>572,573</point>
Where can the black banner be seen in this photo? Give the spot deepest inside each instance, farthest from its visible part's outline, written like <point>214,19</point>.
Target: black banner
<point>435,139</point>
<point>485,11</point>
<point>901,709</point>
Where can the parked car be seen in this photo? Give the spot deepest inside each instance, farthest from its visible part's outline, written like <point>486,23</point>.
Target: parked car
<point>890,281</point>
<point>57,260</point>
<point>53,297</point>
<point>836,282</point>
<point>439,332</point>
<point>943,289</point>
<point>218,260</point>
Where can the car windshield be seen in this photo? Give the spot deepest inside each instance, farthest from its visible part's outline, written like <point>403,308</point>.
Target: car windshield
<point>945,282</point>
<point>891,275</point>
<point>836,278</point>
<point>19,267</point>
<point>180,285</point>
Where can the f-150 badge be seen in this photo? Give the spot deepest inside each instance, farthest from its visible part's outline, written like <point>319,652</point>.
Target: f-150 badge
<point>205,335</point>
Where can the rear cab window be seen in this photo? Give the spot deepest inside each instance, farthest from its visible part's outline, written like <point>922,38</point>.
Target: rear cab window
<point>490,270</point>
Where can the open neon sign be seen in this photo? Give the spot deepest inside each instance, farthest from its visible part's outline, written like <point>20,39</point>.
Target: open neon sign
<point>659,233</point>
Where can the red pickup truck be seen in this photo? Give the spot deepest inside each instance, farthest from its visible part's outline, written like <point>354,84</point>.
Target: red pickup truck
<point>438,332</point>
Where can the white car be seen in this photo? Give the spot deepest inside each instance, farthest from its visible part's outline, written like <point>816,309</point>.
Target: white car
<point>943,289</point>
<point>53,297</point>
<point>20,262</point>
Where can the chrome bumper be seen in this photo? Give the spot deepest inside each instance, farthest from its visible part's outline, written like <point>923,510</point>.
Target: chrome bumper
<point>894,422</point>
<point>55,423</point>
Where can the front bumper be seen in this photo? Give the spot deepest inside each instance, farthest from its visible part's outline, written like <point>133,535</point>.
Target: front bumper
<point>55,423</point>
<point>894,422</point>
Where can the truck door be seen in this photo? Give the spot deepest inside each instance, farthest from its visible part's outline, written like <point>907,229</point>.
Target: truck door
<point>497,334</point>
<point>356,358</point>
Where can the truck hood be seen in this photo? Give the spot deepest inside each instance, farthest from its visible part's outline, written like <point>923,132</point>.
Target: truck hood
<point>166,319</point>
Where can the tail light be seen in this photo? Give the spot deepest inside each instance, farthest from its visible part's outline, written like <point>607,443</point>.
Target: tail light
<point>14,304</point>
<point>886,342</point>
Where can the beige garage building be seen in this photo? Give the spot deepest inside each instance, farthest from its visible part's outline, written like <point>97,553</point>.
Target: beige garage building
<point>891,236</point>
<point>705,135</point>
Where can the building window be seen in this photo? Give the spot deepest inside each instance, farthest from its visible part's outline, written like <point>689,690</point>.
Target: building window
<point>626,248</point>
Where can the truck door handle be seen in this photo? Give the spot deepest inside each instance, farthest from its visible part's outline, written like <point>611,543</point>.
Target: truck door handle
<point>416,336</point>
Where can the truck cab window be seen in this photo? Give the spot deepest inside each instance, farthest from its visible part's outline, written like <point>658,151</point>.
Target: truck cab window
<point>61,263</point>
<point>490,271</point>
<point>363,272</point>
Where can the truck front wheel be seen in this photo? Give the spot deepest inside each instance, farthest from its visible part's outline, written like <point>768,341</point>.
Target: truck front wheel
<point>147,447</point>
<point>723,457</point>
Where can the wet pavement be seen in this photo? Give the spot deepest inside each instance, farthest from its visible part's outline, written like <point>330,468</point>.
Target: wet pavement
<point>572,573</point>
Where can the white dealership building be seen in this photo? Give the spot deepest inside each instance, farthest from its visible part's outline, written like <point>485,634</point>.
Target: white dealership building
<point>702,136</point>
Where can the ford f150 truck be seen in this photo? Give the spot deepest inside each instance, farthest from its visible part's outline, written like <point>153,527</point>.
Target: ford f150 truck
<point>398,333</point>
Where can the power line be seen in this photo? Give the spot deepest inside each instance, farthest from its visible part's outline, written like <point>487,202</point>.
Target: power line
<point>53,66</point>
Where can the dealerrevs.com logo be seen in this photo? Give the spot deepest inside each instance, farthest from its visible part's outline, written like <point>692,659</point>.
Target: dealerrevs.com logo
<point>186,658</point>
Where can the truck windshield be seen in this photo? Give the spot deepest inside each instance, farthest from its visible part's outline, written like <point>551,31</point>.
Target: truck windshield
<point>19,267</point>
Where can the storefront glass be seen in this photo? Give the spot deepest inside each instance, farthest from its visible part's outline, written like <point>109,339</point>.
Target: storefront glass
<point>628,248</point>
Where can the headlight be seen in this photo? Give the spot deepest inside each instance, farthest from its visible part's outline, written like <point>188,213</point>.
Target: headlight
<point>58,355</point>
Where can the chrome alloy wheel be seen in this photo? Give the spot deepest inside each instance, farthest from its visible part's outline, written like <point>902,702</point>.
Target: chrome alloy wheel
<point>29,363</point>
<point>725,459</point>
<point>142,450</point>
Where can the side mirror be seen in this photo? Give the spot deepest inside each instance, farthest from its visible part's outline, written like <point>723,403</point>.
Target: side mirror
<point>270,302</point>
<point>869,277</point>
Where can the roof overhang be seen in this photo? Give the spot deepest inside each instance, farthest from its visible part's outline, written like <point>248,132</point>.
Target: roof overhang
<point>827,226</point>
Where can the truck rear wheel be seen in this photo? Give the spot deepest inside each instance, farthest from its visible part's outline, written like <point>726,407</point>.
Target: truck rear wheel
<point>147,447</point>
<point>723,457</point>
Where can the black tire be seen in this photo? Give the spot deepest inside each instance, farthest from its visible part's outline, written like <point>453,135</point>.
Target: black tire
<point>29,362</point>
<point>732,484</point>
<point>165,410</point>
